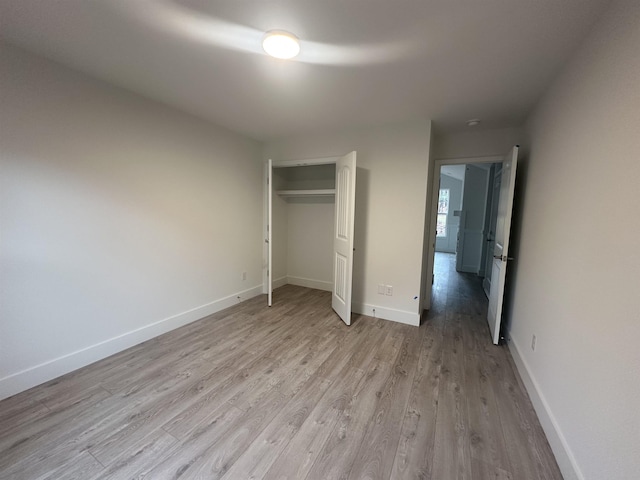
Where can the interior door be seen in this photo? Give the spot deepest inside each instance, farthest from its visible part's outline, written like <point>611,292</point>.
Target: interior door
<point>501,246</point>
<point>491,241</point>
<point>343,236</point>
<point>269,230</point>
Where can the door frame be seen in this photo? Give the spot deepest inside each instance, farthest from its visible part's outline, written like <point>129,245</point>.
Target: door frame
<point>267,228</point>
<point>434,181</point>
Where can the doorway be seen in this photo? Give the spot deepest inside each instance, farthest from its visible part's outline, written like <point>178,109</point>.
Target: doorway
<point>309,184</point>
<point>471,235</point>
<point>468,195</point>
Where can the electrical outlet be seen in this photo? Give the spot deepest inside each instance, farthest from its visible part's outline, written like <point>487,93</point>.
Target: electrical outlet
<point>381,289</point>
<point>388,290</point>
<point>243,276</point>
<point>533,343</point>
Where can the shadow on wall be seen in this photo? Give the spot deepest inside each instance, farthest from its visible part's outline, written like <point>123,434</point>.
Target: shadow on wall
<point>360,234</point>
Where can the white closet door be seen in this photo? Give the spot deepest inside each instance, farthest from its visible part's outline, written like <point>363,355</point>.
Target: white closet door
<point>343,236</point>
<point>501,246</point>
<point>269,230</point>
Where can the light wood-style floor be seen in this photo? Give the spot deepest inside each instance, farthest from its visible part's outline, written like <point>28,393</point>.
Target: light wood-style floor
<point>290,392</point>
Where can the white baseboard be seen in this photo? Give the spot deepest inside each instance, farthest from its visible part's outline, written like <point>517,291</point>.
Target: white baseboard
<point>38,374</point>
<point>280,282</point>
<point>564,456</point>
<point>400,316</point>
<point>310,283</point>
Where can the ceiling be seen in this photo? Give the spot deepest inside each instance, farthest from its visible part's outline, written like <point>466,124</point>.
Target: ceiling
<point>455,171</point>
<point>363,62</point>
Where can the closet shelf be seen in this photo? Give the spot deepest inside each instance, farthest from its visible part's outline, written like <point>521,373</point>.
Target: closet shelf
<point>326,192</point>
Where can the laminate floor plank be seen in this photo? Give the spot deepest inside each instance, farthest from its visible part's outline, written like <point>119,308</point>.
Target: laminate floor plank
<point>338,453</point>
<point>151,415</point>
<point>486,439</point>
<point>378,447</point>
<point>290,392</point>
<point>82,466</point>
<point>139,461</point>
<point>132,359</point>
<point>452,459</point>
<point>223,386</point>
<point>21,414</point>
<point>414,456</point>
<point>319,425</point>
<point>37,439</point>
<point>200,445</point>
<point>527,447</point>
<point>270,443</point>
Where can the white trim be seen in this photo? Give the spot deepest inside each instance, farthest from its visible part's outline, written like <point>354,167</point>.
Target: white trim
<point>305,162</point>
<point>433,208</point>
<point>280,282</point>
<point>392,314</point>
<point>310,283</point>
<point>470,160</point>
<point>559,445</point>
<point>270,232</point>
<point>400,316</point>
<point>320,192</point>
<point>38,374</point>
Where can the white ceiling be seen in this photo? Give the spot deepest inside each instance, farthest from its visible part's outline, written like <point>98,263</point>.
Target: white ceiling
<point>455,171</point>
<point>363,62</point>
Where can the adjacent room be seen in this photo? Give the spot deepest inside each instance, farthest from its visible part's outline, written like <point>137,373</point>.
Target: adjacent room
<point>310,240</point>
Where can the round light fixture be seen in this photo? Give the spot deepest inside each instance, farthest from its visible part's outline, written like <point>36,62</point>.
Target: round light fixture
<point>281,44</point>
<point>474,122</point>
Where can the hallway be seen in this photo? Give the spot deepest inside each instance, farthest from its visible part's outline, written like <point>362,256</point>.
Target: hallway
<point>486,425</point>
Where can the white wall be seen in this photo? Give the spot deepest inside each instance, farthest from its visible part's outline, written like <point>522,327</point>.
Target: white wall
<point>476,142</point>
<point>310,225</point>
<point>448,244</point>
<point>120,219</point>
<point>576,278</point>
<point>390,199</point>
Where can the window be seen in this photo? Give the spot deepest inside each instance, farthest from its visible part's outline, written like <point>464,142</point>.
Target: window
<point>443,210</point>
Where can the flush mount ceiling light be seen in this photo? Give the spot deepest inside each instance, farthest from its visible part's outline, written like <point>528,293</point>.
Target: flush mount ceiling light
<point>281,44</point>
<point>474,122</point>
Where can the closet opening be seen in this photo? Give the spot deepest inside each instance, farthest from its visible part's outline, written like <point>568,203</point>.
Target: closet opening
<point>310,220</point>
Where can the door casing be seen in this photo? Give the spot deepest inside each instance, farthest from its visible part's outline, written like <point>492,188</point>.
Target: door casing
<point>431,235</point>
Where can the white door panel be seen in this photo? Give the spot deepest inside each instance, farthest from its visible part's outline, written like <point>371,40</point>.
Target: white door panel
<point>343,236</point>
<point>269,230</point>
<point>501,246</point>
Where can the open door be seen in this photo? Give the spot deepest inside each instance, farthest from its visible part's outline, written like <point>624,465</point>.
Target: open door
<point>269,229</point>
<point>343,236</point>
<point>501,246</point>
